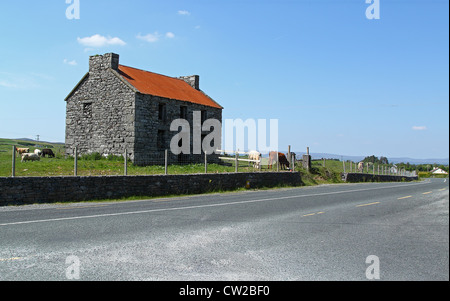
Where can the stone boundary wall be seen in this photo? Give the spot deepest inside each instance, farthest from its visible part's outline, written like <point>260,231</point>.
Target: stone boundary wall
<point>32,190</point>
<point>361,177</point>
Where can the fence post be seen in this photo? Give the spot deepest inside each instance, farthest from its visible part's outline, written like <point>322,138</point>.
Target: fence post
<point>75,167</point>
<point>206,163</point>
<point>13,162</point>
<point>236,162</point>
<point>293,162</point>
<point>343,163</point>
<point>166,161</point>
<point>289,157</point>
<point>125,165</point>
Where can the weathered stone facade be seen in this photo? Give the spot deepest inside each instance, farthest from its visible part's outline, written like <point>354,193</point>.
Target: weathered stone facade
<point>108,115</point>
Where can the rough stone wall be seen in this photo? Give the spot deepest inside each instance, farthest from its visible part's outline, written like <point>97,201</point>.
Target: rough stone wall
<point>32,190</point>
<point>147,150</point>
<point>192,80</point>
<point>361,177</point>
<point>105,114</point>
<point>100,112</point>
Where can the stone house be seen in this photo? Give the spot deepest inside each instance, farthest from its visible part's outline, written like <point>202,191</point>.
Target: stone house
<point>116,108</point>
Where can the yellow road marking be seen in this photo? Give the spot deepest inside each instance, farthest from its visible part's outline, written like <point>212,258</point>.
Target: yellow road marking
<point>370,204</point>
<point>405,197</point>
<point>311,214</point>
<point>442,189</point>
<point>9,259</point>
<point>428,192</point>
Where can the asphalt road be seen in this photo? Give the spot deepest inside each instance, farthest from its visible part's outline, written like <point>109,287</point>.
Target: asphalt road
<point>390,231</point>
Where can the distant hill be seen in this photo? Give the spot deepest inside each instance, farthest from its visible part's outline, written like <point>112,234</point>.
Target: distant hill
<point>316,156</point>
<point>37,142</point>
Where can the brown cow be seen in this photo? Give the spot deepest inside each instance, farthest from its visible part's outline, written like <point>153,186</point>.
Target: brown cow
<point>21,151</point>
<point>284,163</point>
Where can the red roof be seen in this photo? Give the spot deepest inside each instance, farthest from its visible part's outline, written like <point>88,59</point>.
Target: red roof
<point>164,86</point>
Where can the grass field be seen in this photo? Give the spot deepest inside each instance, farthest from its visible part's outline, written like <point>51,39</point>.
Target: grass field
<point>88,166</point>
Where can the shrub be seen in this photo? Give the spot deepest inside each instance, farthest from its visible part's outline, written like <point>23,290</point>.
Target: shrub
<point>91,157</point>
<point>424,174</point>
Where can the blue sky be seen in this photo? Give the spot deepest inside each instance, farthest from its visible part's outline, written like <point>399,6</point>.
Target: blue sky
<point>337,81</point>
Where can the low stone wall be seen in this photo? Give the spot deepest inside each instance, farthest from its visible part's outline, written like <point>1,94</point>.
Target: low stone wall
<point>32,190</point>
<point>361,177</point>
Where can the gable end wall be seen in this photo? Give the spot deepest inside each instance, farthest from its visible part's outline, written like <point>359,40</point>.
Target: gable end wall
<point>108,125</point>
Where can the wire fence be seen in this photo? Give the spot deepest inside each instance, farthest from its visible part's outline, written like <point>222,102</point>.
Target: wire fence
<point>365,167</point>
<point>56,162</point>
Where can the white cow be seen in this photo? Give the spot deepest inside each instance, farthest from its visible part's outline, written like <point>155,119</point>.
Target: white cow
<point>361,166</point>
<point>30,157</point>
<point>255,155</point>
<point>38,152</point>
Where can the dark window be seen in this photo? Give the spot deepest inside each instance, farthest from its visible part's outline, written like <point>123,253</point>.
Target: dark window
<point>87,110</point>
<point>161,141</point>
<point>183,112</point>
<point>162,112</point>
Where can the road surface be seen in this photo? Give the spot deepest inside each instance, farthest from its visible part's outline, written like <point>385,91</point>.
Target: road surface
<point>370,231</point>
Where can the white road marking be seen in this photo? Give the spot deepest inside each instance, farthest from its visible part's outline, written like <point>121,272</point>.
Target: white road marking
<point>200,206</point>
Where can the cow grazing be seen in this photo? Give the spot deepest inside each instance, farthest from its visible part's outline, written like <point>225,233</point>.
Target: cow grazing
<point>48,152</point>
<point>21,151</point>
<point>361,166</point>
<point>255,155</point>
<point>30,157</point>
<point>274,156</point>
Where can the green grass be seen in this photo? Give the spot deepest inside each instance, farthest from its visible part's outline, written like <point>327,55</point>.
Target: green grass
<point>95,165</point>
<point>92,165</point>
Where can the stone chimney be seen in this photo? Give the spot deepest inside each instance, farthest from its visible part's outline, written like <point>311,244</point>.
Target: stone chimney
<point>104,62</point>
<point>192,80</point>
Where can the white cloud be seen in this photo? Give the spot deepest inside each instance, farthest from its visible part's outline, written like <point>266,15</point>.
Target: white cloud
<point>20,81</point>
<point>184,12</point>
<point>71,63</point>
<point>154,37</point>
<point>419,128</point>
<point>151,37</point>
<point>7,84</point>
<point>98,41</point>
